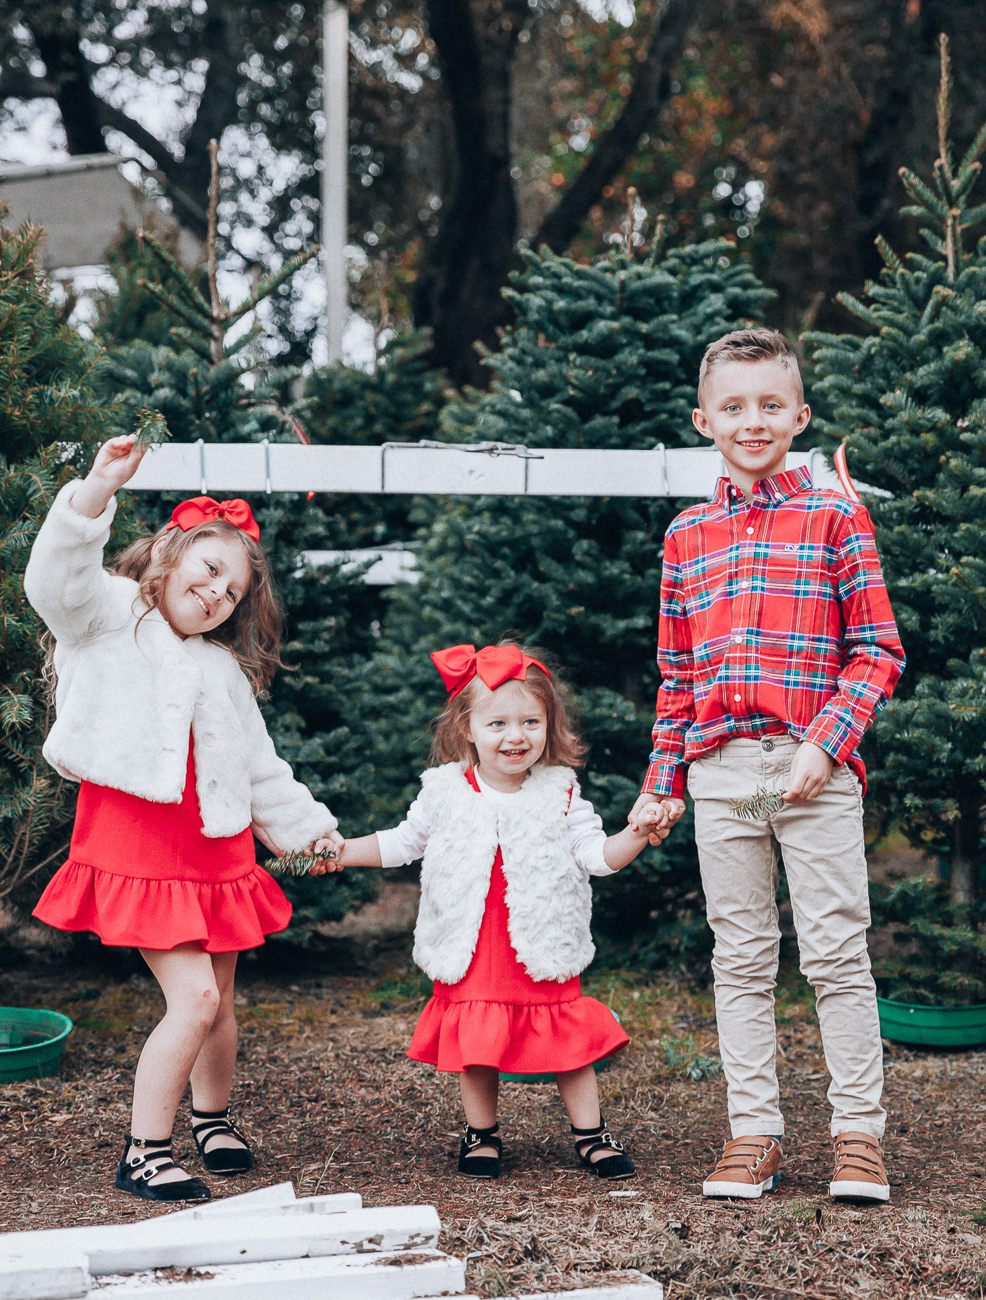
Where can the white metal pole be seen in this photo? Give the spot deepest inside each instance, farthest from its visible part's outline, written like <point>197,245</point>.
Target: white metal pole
<point>335,169</point>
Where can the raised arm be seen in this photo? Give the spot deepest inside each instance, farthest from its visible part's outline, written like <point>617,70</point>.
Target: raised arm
<point>65,580</point>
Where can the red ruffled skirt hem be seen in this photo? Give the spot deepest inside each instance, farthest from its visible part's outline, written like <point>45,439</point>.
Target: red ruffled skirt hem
<point>133,912</point>
<point>515,1038</point>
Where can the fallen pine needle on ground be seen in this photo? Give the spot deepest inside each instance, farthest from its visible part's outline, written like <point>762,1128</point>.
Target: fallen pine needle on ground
<point>330,1101</point>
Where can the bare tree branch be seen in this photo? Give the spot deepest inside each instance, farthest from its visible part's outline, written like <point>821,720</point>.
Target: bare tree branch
<point>651,90</point>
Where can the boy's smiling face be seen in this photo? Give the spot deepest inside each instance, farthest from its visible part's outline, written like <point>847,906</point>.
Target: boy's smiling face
<point>752,411</point>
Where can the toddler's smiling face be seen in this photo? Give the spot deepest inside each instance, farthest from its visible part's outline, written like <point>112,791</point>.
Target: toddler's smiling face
<point>509,728</point>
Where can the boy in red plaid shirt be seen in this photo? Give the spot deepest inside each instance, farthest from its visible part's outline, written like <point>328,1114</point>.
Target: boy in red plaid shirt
<point>777,645</point>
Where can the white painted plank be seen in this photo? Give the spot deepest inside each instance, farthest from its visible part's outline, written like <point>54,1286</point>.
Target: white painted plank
<point>294,468</point>
<point>55,1274</point>
<point>452,470</point>
<point>95,1237</point>
<point>347,1277</point>
<point>262,1198</point>
<point>243,467</point>
<point>628,1291</point>
<point>334,1203</point>
<point>165,1243</point>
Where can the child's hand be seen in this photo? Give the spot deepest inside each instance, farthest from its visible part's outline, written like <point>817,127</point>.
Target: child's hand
<point>332,843</point>
<point>809,774</point>
<point>675,809</point>
<point>652,819</point>
<point>117,460</point>
<point>115,464</point>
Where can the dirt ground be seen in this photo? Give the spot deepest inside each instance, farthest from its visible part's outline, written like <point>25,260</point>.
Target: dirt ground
<point>330,1101</point>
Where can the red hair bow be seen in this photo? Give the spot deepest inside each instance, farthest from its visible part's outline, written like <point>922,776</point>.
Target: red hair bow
<point>494,665</point>
<point>203,510</point>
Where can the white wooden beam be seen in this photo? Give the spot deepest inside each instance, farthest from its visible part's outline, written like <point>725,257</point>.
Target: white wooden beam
<point>444,469</point>
<point>174,1241</point>
<point>56,1273</point>
<point>341,1277</point>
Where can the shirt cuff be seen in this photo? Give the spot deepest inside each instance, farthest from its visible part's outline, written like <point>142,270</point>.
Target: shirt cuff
<point>833,735</point>
<point>666,780</point>
<point>391,848</point>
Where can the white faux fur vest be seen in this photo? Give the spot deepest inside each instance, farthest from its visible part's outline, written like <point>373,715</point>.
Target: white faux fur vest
<point>548,895</point>
<point>128,697</point>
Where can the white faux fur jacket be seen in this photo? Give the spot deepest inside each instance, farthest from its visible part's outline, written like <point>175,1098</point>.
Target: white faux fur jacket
<point>548,895</point>
<point>128,697</point>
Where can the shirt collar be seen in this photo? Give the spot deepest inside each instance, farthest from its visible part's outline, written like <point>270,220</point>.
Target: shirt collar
<point>769,491</point>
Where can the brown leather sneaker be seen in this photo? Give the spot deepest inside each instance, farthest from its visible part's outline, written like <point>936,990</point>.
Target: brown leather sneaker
<point>859,1170</point>
<point>749,1166</point>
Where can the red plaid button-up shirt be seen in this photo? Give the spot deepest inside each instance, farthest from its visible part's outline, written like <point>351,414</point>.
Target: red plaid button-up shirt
<point>774,619</point>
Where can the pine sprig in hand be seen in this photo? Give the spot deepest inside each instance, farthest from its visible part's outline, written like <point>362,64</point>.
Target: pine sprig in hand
<point>300,863</point>
<point>151,428</point>
<point>761,805</point>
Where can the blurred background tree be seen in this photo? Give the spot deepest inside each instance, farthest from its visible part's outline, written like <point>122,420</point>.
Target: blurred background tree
<point>781,124</point>
<point>910,397</point>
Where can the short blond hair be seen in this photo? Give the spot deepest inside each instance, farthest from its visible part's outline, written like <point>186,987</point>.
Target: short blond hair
<point>749,345</point>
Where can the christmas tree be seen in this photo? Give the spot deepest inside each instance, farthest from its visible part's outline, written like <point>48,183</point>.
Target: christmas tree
<point>605,355</point>
<point>51,422</point>
<point>910,398</point>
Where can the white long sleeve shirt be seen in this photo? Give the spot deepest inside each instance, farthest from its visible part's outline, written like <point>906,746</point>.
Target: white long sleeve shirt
<point>586,837</point>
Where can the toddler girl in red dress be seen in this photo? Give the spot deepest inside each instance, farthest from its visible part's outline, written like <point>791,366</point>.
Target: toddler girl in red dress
<point>158,661</point>
<point>508,846</point>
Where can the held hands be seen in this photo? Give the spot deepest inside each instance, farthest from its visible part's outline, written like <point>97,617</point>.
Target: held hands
<point>809,773</point>
<point>654,818</point>
<point>332,842</point>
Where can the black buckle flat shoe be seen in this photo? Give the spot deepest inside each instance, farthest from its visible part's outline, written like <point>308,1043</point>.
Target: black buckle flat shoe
<point>590,1140</point>
<point>145,1158</point>
<point>480,1166</point>
<point>220,1160</point>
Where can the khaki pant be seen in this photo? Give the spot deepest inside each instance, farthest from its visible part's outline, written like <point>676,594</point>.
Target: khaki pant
<point>822,846</point>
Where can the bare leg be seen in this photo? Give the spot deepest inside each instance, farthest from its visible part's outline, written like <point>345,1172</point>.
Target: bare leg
<point>479,1088</point>
<point>188,983</point>
<point>580,1097</point>
<point>212,1073</point>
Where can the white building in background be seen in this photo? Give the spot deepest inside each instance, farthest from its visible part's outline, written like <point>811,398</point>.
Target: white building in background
<point>83,204</point>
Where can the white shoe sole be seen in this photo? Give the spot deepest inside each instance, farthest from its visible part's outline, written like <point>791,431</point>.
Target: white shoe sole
<point>859,1191</point>
<point>742,1191</point>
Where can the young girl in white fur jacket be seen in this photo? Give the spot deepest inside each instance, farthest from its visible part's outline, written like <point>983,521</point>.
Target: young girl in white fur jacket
<point>158,661</point>
<point>503,927</point>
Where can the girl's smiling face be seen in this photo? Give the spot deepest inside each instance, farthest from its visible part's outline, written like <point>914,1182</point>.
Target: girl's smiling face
<point>207,585</point>
<point>509,729</point>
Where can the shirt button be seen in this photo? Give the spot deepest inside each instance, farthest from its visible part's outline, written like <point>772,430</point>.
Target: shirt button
<point>744,584</point>
<point>208,740</point>
<point>737,640</point>
<point>767,746</point>
<point>749,532</point>
<point>737,698</point>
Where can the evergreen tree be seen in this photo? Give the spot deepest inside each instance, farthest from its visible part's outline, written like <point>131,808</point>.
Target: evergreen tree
<point>605,355</point>
<point>910,397</point>
<point>51,422</point>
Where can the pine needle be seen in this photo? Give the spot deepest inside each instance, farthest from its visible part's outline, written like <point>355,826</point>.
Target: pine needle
<point>300,863</point>
<point>761,805</point>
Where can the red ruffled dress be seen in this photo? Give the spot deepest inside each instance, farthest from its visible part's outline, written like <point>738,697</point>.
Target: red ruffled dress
<point>143,875</point>
<point>498,1016</point>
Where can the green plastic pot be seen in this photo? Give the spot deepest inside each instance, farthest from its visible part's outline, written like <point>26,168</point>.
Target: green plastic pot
<point>550,1078</point>
<point>31,1042</point>
<point>932,1026</point>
